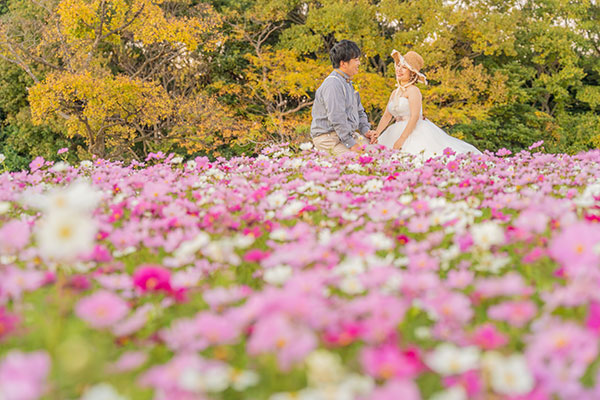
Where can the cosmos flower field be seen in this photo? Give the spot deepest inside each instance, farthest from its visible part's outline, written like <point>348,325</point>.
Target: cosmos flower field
<point>296,276</point>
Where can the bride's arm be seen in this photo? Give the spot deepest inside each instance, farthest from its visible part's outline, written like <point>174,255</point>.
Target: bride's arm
<point>414,103</point>
<point>383,122</point>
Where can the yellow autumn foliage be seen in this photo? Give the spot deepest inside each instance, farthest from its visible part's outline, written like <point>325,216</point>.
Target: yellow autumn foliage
<point>106,110</point>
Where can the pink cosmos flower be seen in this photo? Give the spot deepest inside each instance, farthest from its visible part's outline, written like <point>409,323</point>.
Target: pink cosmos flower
<point>396,390</point>
<point>133,323</point>
<point>36,164</point>
<point>388,361</point>
<point>419,224</point>
<point>149,278</point>
<point>575,246</point>
<point>101,309</point>
<point>516,313</point>
<point>277,334</point>
<point>128,361</point>
<point>14,236</point>
<point>155,191</point>
<point>62,150</point>
<point>422,262</point>
<point>460,279</point>
<point>470,381</point>
<point>23,375</point>
<point>216,329</point>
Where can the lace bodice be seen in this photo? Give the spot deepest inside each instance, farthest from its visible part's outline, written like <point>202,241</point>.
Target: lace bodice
<point>398,106</point>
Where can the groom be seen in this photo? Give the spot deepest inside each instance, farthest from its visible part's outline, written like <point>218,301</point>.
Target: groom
<point>337,113</point>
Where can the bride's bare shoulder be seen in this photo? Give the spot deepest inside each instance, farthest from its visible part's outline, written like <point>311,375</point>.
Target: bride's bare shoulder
<point>413,91</point>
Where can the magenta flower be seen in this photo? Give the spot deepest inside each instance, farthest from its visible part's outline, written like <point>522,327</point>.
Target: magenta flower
<point>8,322</point>
<point>592,321</point>
<point>152,278</point>
<point>471,381</point>
<point>388,361</point>
<point>487,337</point>
<point>256,255</point>
<point>101,309</point>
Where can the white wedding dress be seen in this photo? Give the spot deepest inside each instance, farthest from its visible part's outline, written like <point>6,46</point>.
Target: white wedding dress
<point>426,139</point>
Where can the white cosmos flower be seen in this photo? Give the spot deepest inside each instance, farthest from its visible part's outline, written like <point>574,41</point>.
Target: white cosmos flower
<point>509,375</point>
<point>351,266</point>
<point>60,166</point>
<point>447,359</point>
<point>351,285</point>
<point>176,160</point>
<point>276,199</point>
<point>324,367</point>
<point>306,146</point>
<point>79,197</point>
<point>188,248</point>
<point>64,236</point>
<point>381,241</point>
<point>86,164</point>
<point>216,379</point>
<point>191,380</point>
<point>373,185</point>
<point>102,391</point>
<point>354,167</point>
<point>242,380</point>
<point>491,263</point>
<point>456,392</point>
<point>222,251</point>
<point>487,234</point>
<point>4,207</point>
<point>277,275</point>
<point>292,208</point>
<point>279,234</point>
<point>2,158</point>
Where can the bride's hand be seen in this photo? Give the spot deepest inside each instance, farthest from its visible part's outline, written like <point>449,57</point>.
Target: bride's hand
<point>374,135</point>
<point>398,144</point>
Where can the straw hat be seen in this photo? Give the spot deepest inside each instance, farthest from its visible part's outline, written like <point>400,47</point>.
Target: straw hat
<point>411,60</point>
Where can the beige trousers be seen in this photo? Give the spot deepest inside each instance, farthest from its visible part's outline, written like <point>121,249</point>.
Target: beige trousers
<point>330,143</point>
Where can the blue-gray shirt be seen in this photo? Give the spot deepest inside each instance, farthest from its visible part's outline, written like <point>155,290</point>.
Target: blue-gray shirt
<point>337,107</point>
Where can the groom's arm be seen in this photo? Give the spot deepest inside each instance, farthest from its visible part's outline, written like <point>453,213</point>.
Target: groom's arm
<point>334,100</point>
<point>363,121</point>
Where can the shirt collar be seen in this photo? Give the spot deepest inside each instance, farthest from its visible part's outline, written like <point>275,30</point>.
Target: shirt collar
<point>343,75</point>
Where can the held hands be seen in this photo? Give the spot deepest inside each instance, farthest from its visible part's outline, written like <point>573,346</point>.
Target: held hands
<point>372,136</point>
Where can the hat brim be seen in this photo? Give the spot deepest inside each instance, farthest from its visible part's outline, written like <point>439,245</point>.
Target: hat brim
<point>400,61</point>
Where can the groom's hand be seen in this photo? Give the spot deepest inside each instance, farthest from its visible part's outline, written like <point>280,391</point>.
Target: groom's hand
<point>357,148</point>
<point>372,136</point>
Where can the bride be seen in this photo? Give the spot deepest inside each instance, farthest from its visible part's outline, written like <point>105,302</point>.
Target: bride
<point>411,133</point>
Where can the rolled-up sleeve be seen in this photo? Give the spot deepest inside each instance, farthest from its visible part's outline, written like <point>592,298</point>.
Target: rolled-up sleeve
<point>333,92</point>
<point>363,120</point>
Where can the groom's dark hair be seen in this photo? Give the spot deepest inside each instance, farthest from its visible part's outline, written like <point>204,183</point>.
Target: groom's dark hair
<point>345,51</point>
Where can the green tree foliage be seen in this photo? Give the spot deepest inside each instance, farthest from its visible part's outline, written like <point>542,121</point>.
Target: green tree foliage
<point>503,73</point>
